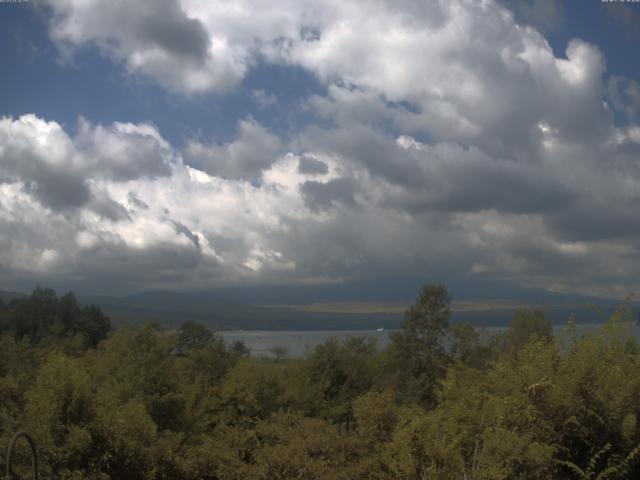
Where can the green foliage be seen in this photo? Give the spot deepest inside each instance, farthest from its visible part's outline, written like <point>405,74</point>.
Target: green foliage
<point>126,436</point>
<point>467,345</point>
<point>251,391</point>
<point>193,336</point>
<point>376,416</point>
<point>59,407</point>
<point>440,402</point>
<point>525,327</point>
<point>292,446</point>
<point>333,375</point>
<point>44,316</point>
<point>417,350</point>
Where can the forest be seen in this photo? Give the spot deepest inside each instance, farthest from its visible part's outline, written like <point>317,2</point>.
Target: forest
<point>442,401</point>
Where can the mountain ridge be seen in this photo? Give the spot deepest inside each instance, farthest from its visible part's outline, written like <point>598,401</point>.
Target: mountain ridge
<point>332,308</point>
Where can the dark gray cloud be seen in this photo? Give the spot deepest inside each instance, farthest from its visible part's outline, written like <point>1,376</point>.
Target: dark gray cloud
<point>322,196</point>
<point>446,177</point>
<point>593,221</point>
<point>312,166</point>
<point>473,181</point>
<point>58,190</point>
<point>159,266</point>
<point>164,24</point>
<point>55,185</point>
<point>363,145</point>
<point>181,228</point>
<point>136,202</point>
<point>254,150</point>
<point>108,208</point>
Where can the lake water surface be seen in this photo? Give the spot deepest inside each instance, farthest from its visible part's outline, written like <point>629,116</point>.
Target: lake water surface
<point>297,342</point>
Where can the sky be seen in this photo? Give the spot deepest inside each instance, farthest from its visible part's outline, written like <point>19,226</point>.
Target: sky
<point>194,145</point>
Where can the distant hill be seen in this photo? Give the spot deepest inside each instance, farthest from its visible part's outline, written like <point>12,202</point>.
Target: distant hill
<point>211,308</point>
<point>364,305</point>
<point>6,297</point>
<point>392,289</point>
<point>173,308</point>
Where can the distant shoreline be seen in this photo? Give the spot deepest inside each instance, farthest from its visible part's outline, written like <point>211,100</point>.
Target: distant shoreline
<point>396,308</point>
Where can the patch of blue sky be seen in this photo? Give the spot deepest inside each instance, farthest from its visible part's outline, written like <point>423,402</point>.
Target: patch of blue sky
<point>91,85</point>
<point>35,80</point>
<point>598,22</point>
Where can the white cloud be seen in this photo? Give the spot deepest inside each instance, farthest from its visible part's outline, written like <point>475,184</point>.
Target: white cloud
<point>263,99</point>
<point>138,226</point>
<point>124,151</point>
<point>450,139</point>
<point>466,213</point>
<point>154,38</point>
<point>457,70</point>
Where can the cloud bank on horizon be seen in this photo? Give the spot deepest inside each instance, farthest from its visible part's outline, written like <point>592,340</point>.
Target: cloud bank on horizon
<point>446,138</point>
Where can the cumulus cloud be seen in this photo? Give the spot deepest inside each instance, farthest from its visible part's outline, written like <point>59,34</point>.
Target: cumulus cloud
<point>255,149</point>
<point>318,195</point>
<point>63,173</point>
<point>449,138</point>
<point>40,156</point>
<point>124,151</point>
<point>469,214</point>
<point>158,223</point>
<point>462,71</point>
<point>154,38</point>
<point>624,94</point>
<point>312,166</point>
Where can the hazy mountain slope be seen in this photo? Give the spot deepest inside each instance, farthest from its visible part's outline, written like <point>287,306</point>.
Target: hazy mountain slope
<point>6,297</point>
<point>175,307</point>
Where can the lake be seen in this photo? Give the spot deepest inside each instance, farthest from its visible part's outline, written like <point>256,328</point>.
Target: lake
<point>297,342</point>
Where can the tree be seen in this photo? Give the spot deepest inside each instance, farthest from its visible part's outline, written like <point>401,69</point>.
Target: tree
<point>335,374</point>
<point>34,315</point>
<point>69,311</point>
<point>376,416</point>
<point>43,315</point>
<point>293,446</point>
<point>525,327</point>
<point>252,390</point>
<point>466,345</point>
<point>193,336</point>
<point>417,350</point>
<point>94,324</point>
<point>59,407</point>
<point>239,349</point>
<point>279,352</point>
